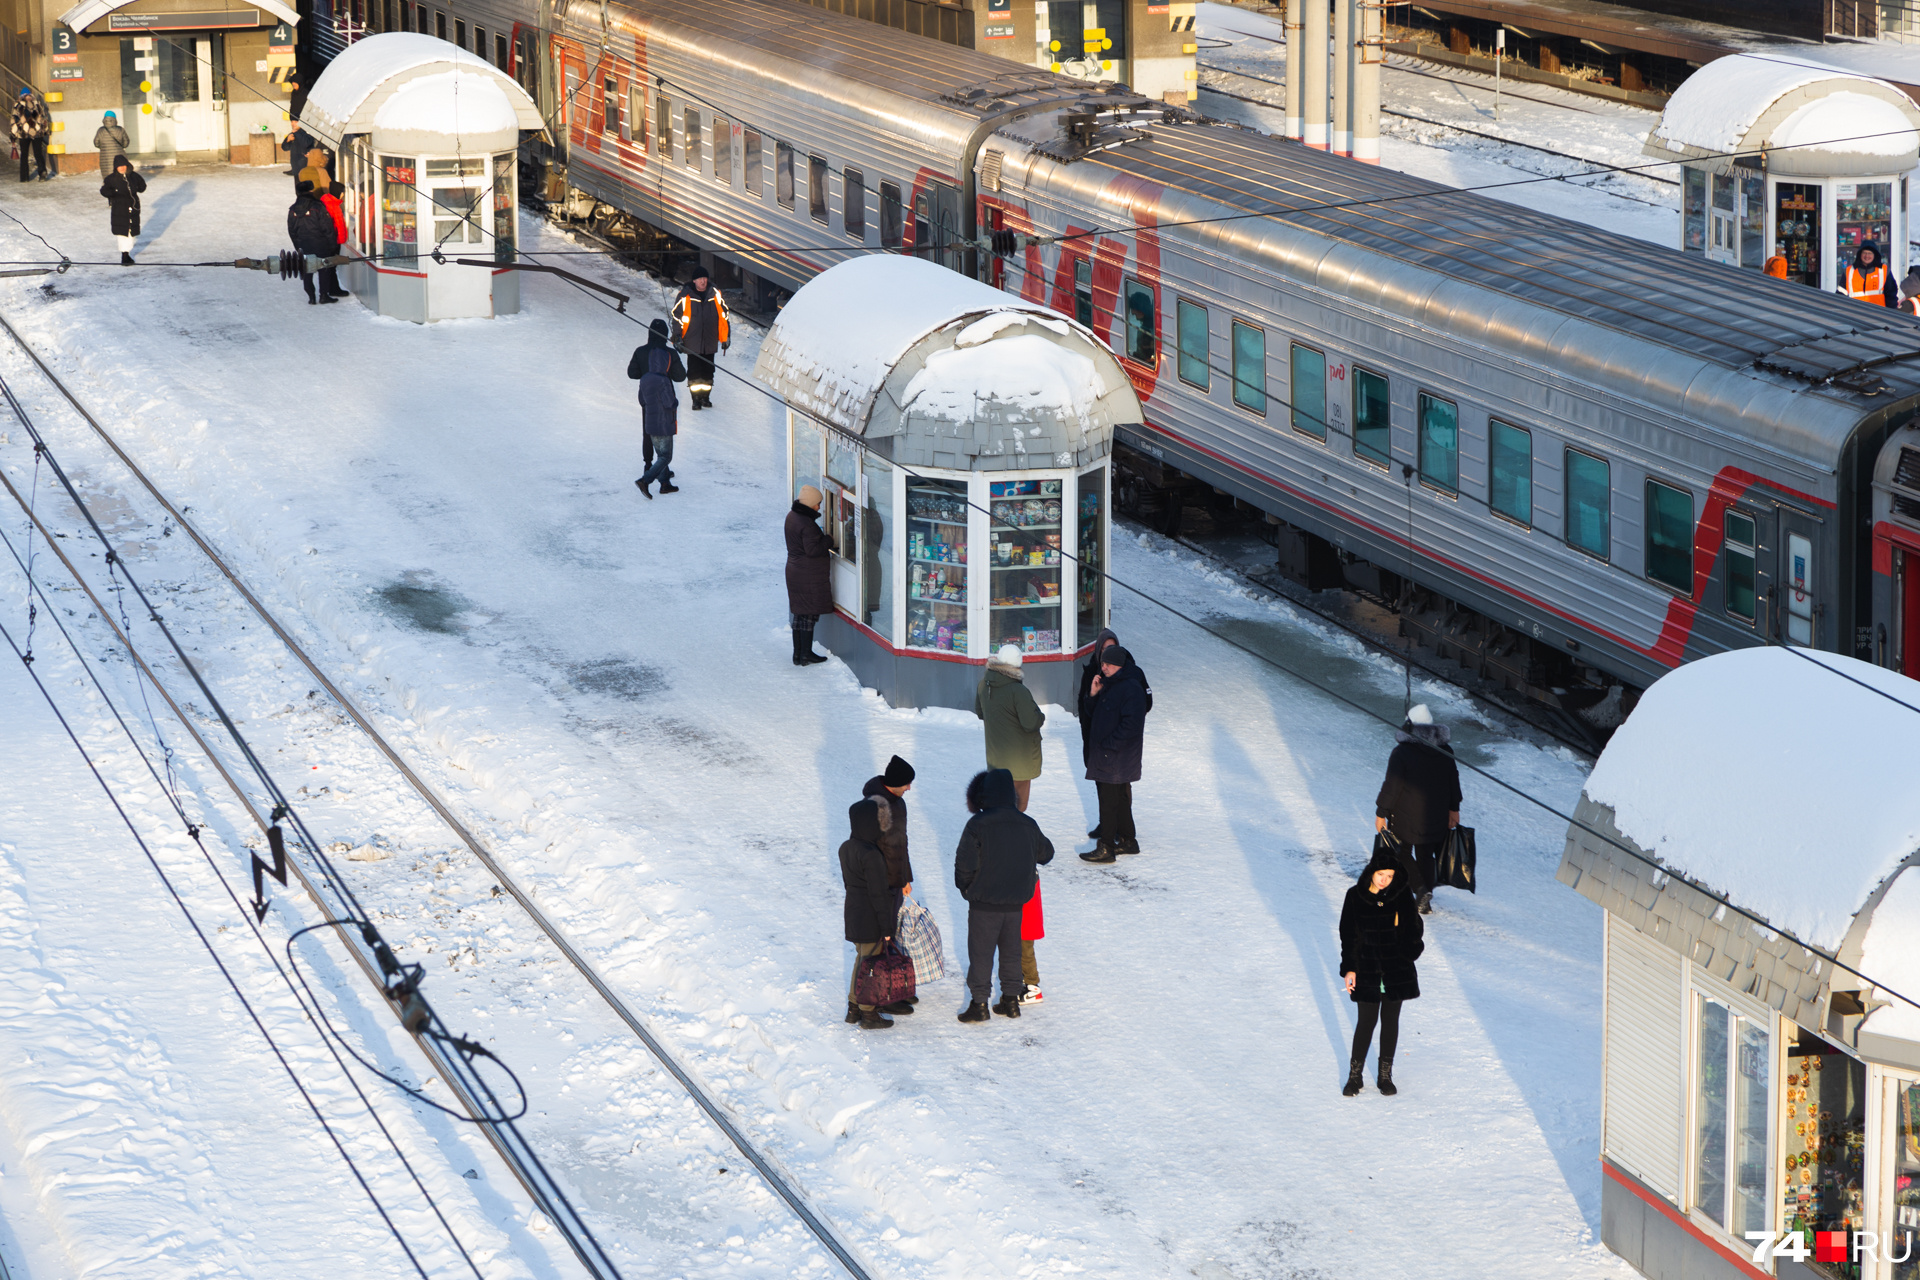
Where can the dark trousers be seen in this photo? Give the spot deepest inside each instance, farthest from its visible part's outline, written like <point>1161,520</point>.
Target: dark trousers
<point>1426,865</point>
<point>329,282</point>
<point>1388,1014</point>
<point>988,932</point>
<point>662,455</point>
<point>33,152</point>
<point>1116,810</point>
<point>700,375</point>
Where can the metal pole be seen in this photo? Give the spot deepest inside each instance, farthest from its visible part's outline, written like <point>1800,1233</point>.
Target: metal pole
<point>1295,56</point>
<point>1313,76</point>
<point>1343,77</point>
<point>1369,52</point>
<point>1499,52</point>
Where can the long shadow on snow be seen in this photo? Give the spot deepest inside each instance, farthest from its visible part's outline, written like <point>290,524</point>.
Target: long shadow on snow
<point>165,209</point>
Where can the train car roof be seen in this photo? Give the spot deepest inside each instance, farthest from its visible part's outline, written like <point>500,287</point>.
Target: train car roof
<point>1770,349</point>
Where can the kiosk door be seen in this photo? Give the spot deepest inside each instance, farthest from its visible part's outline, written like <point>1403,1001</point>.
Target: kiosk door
<point>457,210</point>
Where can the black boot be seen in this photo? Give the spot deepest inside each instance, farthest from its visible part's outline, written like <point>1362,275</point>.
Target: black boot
<point>874,1021</point>
<point>1103,853</point>
<point>126,259</point>
<point>1426,903</point>
<point>667,486</point>
<point>639,484</point>
<point>1385,1078</point>
<point>1353,1078</point>
<point>853,1012</point>
<point>897,1008</point>
<point>1009,1006</point>
<point>1127,845</point>
<point>1094,834</point>
<point>976,1012</point>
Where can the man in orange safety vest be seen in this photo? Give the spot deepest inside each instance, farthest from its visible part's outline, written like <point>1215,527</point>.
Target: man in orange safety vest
<point>1868,280</point>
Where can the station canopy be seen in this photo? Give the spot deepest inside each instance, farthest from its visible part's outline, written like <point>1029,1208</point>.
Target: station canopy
<point>935,369</point>
<point>421,94</point>
<point>1808,120</point>
<point>88,12</point>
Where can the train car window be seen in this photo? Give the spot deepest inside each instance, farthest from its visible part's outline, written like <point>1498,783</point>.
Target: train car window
<point>1669,526</point>
<point>1510,471</point>
<point>500,51</point>
<point>1372,416</point>
<point>1308,369</point>
<point>1439,443</point>
<point>567,100</point>
<point>480,41</point>
<point>1083,292</point>
<point>1741,561</point>
<point>750,162</point>
<point>386,12</point>
<point>1589,504</point>
<point>923,225</point>
<point>1190,320</point>
<point>723,150</point>
<point>1143,325</point>
<point>853,203</point>
<point>892,216</point>
<point>783,174</point>
<point>690,121</point>
<point>1250,367</point>
<point>663,127</point>
<point>817,188</point>
<point>460,33</point>
<point>610,107</point>
<point>637,115</point>
<point>440,24</point>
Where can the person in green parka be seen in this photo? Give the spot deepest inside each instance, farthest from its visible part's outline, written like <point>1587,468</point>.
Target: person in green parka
<point>1013,721</point>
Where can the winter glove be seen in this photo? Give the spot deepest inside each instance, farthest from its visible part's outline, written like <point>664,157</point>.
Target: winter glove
<point>725,345</point>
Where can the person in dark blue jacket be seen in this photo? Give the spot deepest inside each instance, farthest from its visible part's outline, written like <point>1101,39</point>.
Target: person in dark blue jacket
<point>995,868</point>
<point>1116,737</point>
<point>658,367</point>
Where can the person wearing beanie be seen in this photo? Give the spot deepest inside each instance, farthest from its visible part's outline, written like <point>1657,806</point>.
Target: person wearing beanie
<point>890,789</point>
<point>1419,800</point>
<point>996,868</point>
<point>872,910</point>
<point>1380,938</point>
<point>809,573</point>
<point>1012,719</point>
<point>297,145</point>
<point>111,141</point>
<point>656,352</point>
<point>122,190</point>
<point>1116,732</point>
<point>310,226</point>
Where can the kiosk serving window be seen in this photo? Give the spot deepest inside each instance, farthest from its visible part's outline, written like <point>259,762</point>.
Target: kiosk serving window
<point>937,565</point>
<point>1093,581</point>
<point>399,216</point>
<point>1902,1225</point>
<point>1025,533</point>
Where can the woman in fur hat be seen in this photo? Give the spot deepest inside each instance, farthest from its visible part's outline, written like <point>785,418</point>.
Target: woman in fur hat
<point>1419,799</point>
<point>1380,938</point>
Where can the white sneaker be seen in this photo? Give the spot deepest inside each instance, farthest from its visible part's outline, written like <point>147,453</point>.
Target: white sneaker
<point>1031,996</point>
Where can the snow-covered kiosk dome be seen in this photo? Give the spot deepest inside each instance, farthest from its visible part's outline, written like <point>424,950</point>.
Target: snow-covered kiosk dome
<point>1753,834</point>
<point>961,437</point>
<point>1790,158</point>
<point>428,137</point>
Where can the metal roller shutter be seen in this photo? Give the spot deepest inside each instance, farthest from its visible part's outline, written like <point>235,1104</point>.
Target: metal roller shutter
<point>1644,1075</point>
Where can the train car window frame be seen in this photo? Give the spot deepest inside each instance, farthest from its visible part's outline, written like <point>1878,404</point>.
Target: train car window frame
<point>439,24</point>
<point>819,198</point>
<point>610,121</point>
<point>690,131</point>
<point>1605,552</point>
<point>723,151</point>
<point>663,127</point>
<point>783,174</point>
<point>480,41</point>
<point>637,116</point>
<point>1190,327</point>
<point>1734,551</point>
<point>1246,393</point>
<point>751,162</point>
<point>1083,291</point>
<point>1667,551</point>
<point>853,204</point>
<point>1521,510</point>
<point>501,58</point>
<point>1363,424</point>
<point>1141,337</point>
<point>893,216</point>
<point>1428,447</point>
<point>1300,402</point>
<point>460,34</point>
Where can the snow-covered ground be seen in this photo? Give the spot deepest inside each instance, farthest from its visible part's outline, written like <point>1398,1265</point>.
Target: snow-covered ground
<point>600,685</point>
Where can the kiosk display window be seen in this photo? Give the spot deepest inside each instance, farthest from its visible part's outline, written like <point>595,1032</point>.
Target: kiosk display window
<point>1024,532</point>
<point>937,565</point>
<point>876,547</point>
<point>1862,211</point>
<point>1824,1124</point>
<point>1093,579</point>
<point>1903,1224</point>
<point>1796,230</point>
<point>399,213</point>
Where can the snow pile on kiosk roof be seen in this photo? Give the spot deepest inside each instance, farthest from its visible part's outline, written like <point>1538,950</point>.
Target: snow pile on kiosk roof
<point>473,104</point>
<point>1849,124</point>
<point>1716,105</point>
<point>358,84</point>
<point>1890,954</point>
<point>1783,780</point>
<point>949,371</point>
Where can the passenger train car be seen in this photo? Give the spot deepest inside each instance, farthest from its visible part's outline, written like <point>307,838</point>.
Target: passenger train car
<point>1603,456</point>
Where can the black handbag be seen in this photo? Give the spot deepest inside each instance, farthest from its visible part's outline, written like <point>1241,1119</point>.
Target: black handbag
<point>1457,870</point>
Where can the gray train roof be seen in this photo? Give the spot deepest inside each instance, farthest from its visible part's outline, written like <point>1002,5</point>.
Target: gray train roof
<point>1799,368</point>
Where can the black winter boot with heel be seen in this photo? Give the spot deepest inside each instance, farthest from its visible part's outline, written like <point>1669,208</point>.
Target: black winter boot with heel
<point>1385,1078</point>
<point>1354,1080</point>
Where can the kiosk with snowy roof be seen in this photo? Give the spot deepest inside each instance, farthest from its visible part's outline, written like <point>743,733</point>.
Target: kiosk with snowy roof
<point>961,437</point>
<point>1753,833</point>
<point>428,137</point>
<point>1790,158</point>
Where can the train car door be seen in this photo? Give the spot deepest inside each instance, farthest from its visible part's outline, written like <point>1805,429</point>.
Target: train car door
<point>1797,604</point>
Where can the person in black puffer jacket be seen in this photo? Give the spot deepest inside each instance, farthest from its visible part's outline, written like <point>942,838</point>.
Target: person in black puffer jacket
<point>311,228</point>
<point>1419,799</point>
<point>890,788</point>
<point>995,869</point>
<point>872,909</point>
<point>1380,938</point>
<point>122,190</point>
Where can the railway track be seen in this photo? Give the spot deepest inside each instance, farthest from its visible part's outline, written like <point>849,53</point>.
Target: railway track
<point>531,1176</point>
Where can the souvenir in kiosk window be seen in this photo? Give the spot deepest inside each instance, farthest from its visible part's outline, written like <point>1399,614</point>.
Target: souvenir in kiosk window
<point>937,565</point>
<point>1823,1124</point>
<point>399,211</point>
<point>1024,533</point>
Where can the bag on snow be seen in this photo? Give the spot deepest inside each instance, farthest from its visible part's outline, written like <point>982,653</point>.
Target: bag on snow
<point>920,936</point>
<point>882,979</point>
<point>1457,858</point>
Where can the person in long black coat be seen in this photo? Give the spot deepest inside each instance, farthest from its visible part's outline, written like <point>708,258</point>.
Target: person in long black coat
<point>1116,730</point>
<point>1419,800</point>
<point>872,910</point>
<point>122,190</point>
<point>1380,938</point>
<point>809,573</point>
<point>311,227</point>
<point>638,367</point>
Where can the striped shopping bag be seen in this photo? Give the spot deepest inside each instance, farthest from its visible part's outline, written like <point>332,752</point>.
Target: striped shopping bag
<point>919,936</point>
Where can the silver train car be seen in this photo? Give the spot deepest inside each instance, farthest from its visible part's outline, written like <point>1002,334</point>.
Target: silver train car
<point>1574,458</point>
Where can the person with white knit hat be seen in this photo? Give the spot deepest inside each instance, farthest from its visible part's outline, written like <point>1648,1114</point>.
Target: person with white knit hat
<point>1419,800</point>
<point>1012,718</point>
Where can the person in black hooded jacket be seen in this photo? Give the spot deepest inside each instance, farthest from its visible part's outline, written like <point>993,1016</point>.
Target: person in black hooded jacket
<point>1117,727</point>
<point>638,367</point>
<point>995,869</point>
<point>872,908</point>
<point>311,227</point>
<point>1419,800</point>
<point>1380,938</point>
